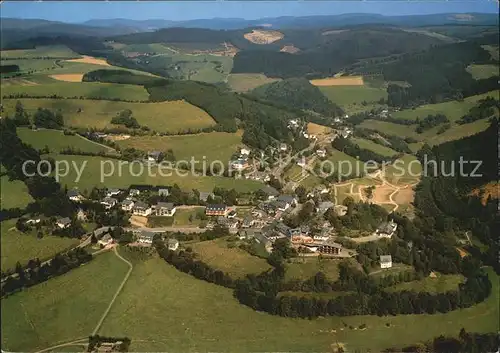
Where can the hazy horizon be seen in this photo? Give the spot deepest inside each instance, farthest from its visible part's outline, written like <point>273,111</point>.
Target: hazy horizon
<point>78,12</point>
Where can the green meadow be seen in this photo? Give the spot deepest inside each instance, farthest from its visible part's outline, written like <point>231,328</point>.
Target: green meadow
<point>172,117</point>
<point>14,193</point>
<point>483,71</point>
<point>375,147</point>
<point>56,141</point>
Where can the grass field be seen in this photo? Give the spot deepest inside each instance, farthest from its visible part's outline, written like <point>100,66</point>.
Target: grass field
<point>170,117</point>
<point>236,262</point>
<point>454,110</point>
<point>17,246</point>
<point>307,267</point>
<point>430,136</point>
<point>162,308</point>
<point>493,50</point>
<point>64,308</point>
<point>213,145</point>
<point>440,284</point>
<point>91,176</point>
<point>14,193</point>
<point>483,71</point>
<point>79,89</point>
<point>53,51</point>
<point>181,217</point>
<point>343,164</point>
<point>405,169</point>
<point>375,147</point>
<point>350,98</point>
<point>247,82</point>
<point>56,141</point>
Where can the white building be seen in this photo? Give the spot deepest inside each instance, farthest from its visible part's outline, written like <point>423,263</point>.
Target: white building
<point>141,209</point>
<point>105,240</point>
<point>127,205</point>
<point>385,261</point>
<point>63,222</point>
<point>244,152</point>
<point>173,244</point>
<point>387,229</point>
<point>112,192</point>
<point>164,209</point>
<point>109,202</point>
<point>321,153</point>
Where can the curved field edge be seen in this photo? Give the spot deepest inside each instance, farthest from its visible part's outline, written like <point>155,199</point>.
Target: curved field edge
<point>161,307</point>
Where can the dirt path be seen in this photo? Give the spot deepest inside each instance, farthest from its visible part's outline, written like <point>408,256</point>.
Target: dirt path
<point>77,342</point>
<point>118,291</point>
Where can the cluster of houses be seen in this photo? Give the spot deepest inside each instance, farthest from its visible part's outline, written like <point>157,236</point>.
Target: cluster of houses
<point>241,163</point>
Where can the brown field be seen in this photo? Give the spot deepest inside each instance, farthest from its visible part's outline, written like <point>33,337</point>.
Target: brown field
<point>489,190</point>
<point>258,36</point>
<point>68,77</point>
<point>316,129</point>
<point>18,81</point>
<point>404,196</point>
<point>89,60</point>
<point>138,221</point>
<point>462,252</point>
<point>339,81</point>
<point>117,137</point>
<point>290,49</point>
<point>381,194</point>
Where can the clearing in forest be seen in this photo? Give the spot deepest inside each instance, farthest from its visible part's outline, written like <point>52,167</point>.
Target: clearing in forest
<point>89,60</point>
<point>339,81</point>
<point>258,36</point>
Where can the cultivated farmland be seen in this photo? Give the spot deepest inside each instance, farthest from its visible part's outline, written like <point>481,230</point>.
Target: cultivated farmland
<point>172,117</point>
<point>339,81</point>
<point>247,82</point>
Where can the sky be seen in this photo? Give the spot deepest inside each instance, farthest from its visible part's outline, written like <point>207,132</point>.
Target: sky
<point>75,11</point>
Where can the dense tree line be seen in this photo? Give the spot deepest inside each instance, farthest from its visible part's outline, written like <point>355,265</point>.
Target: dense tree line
<point>120,76</point>
<point>6,69</point>
<point>352,149</point>
<point>437,75</point>
<point>395,142</point>
<point>125,118</point>
<point>485,108</point>
<point>298,93</point>
<point>430,121</point>
<point>48,119</point>
<point>37,272</point>
<point>467,342</point>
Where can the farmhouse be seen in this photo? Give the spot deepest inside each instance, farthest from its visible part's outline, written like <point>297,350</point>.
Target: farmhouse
<point>133,192</point>
<point>164,209</point>
<point>74,195</point>
<point>154,156</point>
<point>387,229</point>
<point>385,261</point>
<point>145,238</point>
<point>216,210</point>
<point>63,223</point>
<point>324,206</point>
<point>270,192</point>
<point>127,205</point>
<point>141,209</point>
<point>105,240</point>
<point>109,202</point>
<point>113,192</point>
<point>321,153</point>
<point>239,164</point>
<point>172,244</point>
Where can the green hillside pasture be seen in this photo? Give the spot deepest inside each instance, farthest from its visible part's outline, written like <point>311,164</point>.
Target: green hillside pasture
<point>234,261</point>
<point>493,50</point>
<point>162,308</point>
<point>247,82</point>
<point>343,164</point>
<point>17,246</point>
<point>197,67</point>
<point>454,110</point>
<point>375,147</point>
<point>79,89</point>
<point>213,145</point>
<point>64,308</point>
<point>157,48</point>
<point>440,284</point>
<point>14,193</point>
<point>53,51</point>
<point>307,267</point>
<point>350,98</point>
<point>171,117</point>
<point>430,136</point>
<point>56,141</point>
<point>91,176</point>
<point>483,71</point>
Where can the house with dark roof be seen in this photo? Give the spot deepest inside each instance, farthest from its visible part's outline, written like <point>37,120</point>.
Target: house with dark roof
<point>386,229</point>
<point>329,248</point>
<point>270,192</point>
<point>154,156</point>
<point>128,205</point>
<point>145,238</point>
<point>141,209</point>
<point>74,195</point>
<point>109,202</point>
<point>63,222</point>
